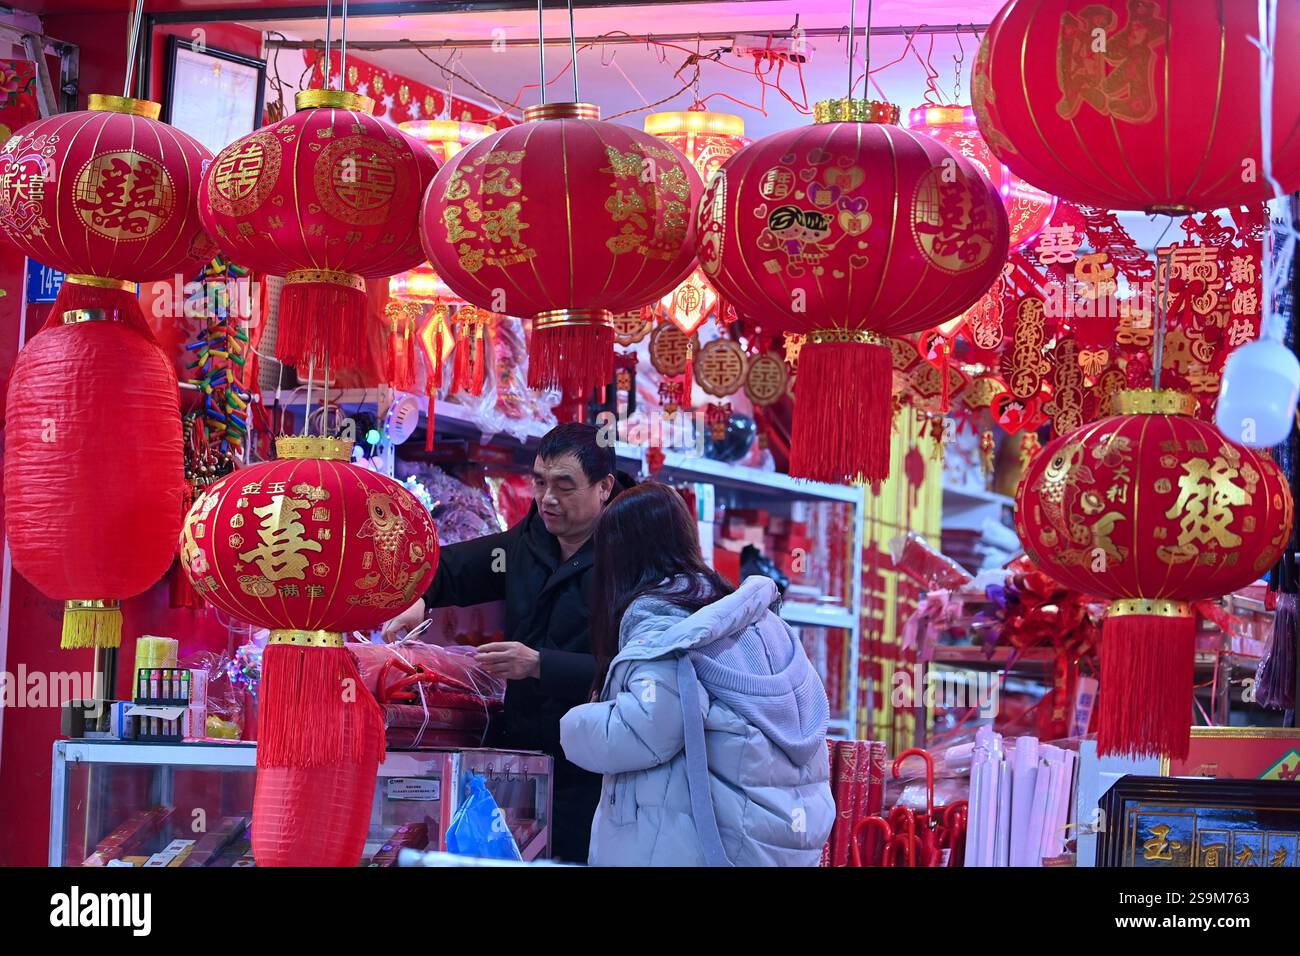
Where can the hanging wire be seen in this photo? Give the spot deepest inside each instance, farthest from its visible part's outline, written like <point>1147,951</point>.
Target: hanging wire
<point>1161,309</point>
<point>541,53</point>
<point>329,41</point>
<point>573,54</point>
<point>853,16</point>
<point>957,62</point>
<point>343,50</point>
<point>866,55</point>
<point>306,408</point>
<point>133,42</point>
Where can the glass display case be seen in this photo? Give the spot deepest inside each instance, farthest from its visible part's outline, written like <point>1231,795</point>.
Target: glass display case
<point>126,803</point>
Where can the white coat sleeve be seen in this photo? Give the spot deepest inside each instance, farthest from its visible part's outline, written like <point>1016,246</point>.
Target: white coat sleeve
<point>640,728</point>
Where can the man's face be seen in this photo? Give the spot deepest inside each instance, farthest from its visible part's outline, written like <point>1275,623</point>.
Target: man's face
<point>568,503</point>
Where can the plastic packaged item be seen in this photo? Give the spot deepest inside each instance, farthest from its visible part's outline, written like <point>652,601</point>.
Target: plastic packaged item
<point>921,562</point>
<point>478,827</point>
<point>1275,678</point>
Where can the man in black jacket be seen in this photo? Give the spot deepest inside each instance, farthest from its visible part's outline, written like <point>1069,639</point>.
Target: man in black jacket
<point>540,568</point>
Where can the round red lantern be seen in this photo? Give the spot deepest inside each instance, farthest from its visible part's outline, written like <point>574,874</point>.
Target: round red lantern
<point>1028,207</point>
<point>311,547</point>
<point>107,195</point>
<point>565,220</point>
<point>1153,509</point>
<point>328,198</point>
<point>94,473</point>
<point>849,231</point>
<point>1138,104</point>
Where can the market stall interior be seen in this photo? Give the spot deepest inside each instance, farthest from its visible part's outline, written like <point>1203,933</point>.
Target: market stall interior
<point>971,326</point>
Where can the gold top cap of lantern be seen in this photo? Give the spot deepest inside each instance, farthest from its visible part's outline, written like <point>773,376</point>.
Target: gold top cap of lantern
<point>1151,401</point>
<point>317,447</point>
<point>336,99</point>
<point>546,111</point>
<point>849,110</point>
<point>103,103</point>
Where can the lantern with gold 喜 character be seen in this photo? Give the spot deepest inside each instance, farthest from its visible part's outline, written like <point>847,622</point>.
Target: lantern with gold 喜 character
<point>1155,510</point>
<point>327,197</point>
<point>311,547</point>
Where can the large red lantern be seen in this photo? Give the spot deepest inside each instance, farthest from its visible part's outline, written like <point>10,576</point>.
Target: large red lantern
<point>107,195</point>
<point>313,548</point>
<point>328,198</point>
<point>848,232</point>
<point>1138,104</point>
<point>94,473</point>
<point>565,220</point>
<point>1028,207</point>
<point>1153,509</point>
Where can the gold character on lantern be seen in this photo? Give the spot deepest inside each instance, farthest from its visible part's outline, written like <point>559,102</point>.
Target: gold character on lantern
<point>281,553</point>
<point>1206,494</point>
<point>1119,79</point>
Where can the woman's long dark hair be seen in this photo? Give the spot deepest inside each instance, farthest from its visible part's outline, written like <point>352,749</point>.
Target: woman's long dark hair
<point>645,542</point>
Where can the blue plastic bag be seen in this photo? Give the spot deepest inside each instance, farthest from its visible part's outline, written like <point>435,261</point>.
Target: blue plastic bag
<point>478,827</point>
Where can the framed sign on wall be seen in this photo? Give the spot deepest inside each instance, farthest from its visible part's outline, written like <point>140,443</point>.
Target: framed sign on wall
<point>214,95</point>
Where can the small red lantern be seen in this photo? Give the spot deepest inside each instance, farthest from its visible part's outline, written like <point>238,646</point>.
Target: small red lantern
<point>311,547</point>
<point>1028,208</point>
<point>1138,104</point>
<point>1153,509</point>
<point>107,195</point>
<point>327,197</point>
<point>565,220</point>
<point>849,231</point>
<point>94,469</point>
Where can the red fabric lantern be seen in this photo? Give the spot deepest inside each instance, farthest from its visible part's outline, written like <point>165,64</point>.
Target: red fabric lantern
<point>1028,207</point>
<point>107,195</point>
<point>311,547</point>
<point>1153,509</point>
<point>328,198</point>
<point>94,472</point>
<point>848,232</point>
<point>564,220</point>
<point>1138,104</point>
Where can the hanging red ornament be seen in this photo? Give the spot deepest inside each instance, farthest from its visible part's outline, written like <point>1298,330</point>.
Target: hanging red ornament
<point>1153,509</point>
<point>564,220</point>
<point>327,197</point>
<point>849,231</point>
<point>311,547</point>
<point>108,196</point>
<point>1138,104</point>
<point>94,468</point>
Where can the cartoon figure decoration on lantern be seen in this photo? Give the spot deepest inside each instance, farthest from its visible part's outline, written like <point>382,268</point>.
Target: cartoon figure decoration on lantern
<point>847,232</point>
<point>311,547</point>
<point>1155,510</point>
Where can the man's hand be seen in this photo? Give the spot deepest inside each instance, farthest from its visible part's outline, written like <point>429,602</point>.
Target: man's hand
<point>509,659</point>
<point>396,629</point>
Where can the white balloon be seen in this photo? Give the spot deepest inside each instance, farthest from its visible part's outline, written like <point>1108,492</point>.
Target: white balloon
<point>1261,383</point>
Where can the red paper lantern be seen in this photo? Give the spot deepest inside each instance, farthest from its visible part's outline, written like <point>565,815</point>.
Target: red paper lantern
<point>94,473</point>
<point>1153,509</point>
<point>107,195</point>
<point>565,220</point>
<point>328,198</point>
<point>848,232</point>
<point>311,547</point>
<point>1138,104</point>
<point>1028,208</point>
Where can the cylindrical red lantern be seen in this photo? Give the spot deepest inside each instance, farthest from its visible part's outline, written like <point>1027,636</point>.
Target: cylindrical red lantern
<point>565,220</point>
<point>1153,509</point>
<point>1138,104</point>
<point>328,198</point>
<point>94,472</point>
<point>849,231</point>
<point>311,547</point>
<point>1028,207</point>
<point>107,195</point>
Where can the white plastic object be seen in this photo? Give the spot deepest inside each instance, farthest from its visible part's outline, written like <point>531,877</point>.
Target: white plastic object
<point>403,415</point>
<point>1261,383</point>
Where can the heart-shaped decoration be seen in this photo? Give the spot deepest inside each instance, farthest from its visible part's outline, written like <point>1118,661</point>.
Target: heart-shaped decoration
<point>858,262</point>
<point>807,174</point>
<point>855,224</point>
<point>861,244</point>
<point>768,242</point>
<point>788,159</point>
<point>823,196</point>
<point>818,156</point>
<point>837,273</point>
<point>847,179</point>
<point>853,205</point>
<point>794,269</point>
<point>760,211</point>
<point>1012,413</point>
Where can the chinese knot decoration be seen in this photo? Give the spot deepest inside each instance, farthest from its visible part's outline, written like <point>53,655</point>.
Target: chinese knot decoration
<point>564,220</point>
<point>109,196</point>
<point>311,547</point>
<point>94,468</point>
<point>1155,510</point>
<point>849,231</point>
<point>328,198</point>
<point>1028,207</point>
<point>1138,104</point>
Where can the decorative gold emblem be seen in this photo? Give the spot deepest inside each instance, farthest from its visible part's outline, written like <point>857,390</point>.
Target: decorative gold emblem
<point>356,180</point>
<point>1117,76</point>
<point>244,174</point>
<point>124,195</point>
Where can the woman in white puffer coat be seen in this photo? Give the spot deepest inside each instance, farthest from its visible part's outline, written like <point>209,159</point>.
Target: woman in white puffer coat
<point>710,728</point>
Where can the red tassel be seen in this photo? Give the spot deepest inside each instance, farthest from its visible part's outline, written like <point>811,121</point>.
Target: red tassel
<point>315,711</point>
<point>402,363</point>
<point>688,377</point>
<point>573,358</point>
<point>1148,666</point>
<point>320,320</point>
<point>842,412</point>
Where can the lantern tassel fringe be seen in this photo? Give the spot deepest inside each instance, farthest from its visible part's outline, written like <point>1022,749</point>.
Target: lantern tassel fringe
<point>1148,667</point>
<point>320,321</point>
<point>91,627</point>
<point>842,412</point>
<point>315,710</point>
<point>574,359</point>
